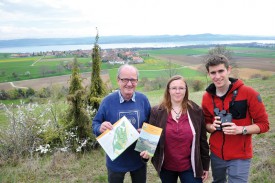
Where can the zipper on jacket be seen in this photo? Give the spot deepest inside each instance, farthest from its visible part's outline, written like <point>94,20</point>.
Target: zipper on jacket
<point>223,141</point>
<point>223,135</point>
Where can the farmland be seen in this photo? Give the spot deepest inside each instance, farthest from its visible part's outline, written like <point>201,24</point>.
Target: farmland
<point>90,166</point>
<point>185,61</point>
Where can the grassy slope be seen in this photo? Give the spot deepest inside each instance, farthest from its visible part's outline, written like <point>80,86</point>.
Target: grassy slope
<point>90,167</point>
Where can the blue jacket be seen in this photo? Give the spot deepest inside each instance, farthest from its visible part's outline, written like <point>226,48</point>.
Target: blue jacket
<point>137,110</point>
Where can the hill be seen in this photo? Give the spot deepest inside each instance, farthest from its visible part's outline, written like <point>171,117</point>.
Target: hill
<point>127,39</point>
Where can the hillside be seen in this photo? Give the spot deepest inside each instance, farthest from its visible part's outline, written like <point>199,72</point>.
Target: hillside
<point>127,39</point>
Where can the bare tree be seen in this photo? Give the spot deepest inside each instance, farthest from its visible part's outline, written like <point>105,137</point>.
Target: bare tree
<point>171,71</point>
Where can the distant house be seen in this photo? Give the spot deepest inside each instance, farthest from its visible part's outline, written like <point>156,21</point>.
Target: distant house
<point>137,60</point>
<point>21,55</point>
<point>113,62</point>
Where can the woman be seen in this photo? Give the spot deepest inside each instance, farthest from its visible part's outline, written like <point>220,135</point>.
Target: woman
<point>183,150</point>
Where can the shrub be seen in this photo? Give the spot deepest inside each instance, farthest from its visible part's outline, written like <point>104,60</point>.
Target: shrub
<point>22,135</point>
<point>197,85</point>
<point>14,94</point>
<point>265,77</point>
<point>255,76</point>
<point>4,95</point>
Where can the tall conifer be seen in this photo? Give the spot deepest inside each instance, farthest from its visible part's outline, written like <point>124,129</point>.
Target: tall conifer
<point>77,118</point>
<point>97,89</point>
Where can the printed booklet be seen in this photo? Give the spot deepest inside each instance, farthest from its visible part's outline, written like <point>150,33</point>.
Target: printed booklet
<point>148,139</point>
<point>116,141</point>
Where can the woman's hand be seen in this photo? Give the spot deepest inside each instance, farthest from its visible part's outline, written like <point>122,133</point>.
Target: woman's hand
<point>145,155</point>
<point>204,175</point>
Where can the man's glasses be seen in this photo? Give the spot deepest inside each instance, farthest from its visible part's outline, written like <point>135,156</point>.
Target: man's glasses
<point>126,80</point>
<point>179,88</point>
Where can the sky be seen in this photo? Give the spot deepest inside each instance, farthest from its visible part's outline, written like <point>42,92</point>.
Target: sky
<point>80,18</point>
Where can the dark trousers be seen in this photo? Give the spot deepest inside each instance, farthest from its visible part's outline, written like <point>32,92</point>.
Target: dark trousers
<point>137,176</point>
<point>187,176</point>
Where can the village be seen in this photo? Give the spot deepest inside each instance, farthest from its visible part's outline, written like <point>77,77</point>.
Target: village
<point>112,56</point>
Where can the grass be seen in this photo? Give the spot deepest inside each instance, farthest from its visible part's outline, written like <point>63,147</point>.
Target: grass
<point>177,51</point>
<point>238,51</point>
<point>90,167</point>
<point>46,67</point>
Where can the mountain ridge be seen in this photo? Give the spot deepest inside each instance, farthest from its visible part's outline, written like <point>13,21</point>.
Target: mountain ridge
<point>127,39</point>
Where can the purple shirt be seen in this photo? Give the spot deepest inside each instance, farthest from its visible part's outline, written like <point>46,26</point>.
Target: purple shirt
<point>178,141</point>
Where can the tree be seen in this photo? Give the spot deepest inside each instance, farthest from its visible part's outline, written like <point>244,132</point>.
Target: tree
<point>75,80</point>
<point>217,50</point>
<point>171,71</point>
<point>77,118</point>
<point>97,89</point>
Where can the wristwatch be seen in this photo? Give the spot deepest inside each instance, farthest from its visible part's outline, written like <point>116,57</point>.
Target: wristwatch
<point>244,132</point>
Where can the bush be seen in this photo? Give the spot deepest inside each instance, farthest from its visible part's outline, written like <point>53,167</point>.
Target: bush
<point>156,84</point>
<point>4,95</point>
<point>197,85</point>
<point>265,77</point>
<point>14,94</point>
<point>22,135</point>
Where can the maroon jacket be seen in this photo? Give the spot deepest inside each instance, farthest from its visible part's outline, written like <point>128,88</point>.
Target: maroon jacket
<point>199,150</point>
<point>247,109</point>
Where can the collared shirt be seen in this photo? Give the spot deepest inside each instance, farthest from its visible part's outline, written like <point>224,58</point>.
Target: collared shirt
<point>178,141</point>
<point>121,99</point>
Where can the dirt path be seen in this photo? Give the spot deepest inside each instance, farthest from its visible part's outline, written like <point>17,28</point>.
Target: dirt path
<point>51,81</point>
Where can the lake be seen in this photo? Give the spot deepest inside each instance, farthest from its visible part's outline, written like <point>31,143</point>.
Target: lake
<point>30,49</point>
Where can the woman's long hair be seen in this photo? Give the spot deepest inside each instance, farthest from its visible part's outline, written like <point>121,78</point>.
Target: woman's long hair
<point>166,101</point>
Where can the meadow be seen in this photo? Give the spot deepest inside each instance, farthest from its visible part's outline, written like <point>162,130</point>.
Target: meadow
<point>90,166</point>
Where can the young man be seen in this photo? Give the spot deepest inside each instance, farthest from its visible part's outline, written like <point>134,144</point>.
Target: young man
<point>136,107</point>
<point>233,112</point>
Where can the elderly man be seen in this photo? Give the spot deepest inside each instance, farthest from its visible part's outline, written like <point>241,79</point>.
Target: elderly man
<point>136,107</point>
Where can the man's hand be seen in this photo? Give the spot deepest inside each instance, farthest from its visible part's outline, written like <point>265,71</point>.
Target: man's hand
<point>105,125</point>
<point>213,127</point>
<point>230,128</point>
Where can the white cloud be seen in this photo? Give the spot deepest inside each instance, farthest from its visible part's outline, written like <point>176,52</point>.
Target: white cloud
<point>71,18</point>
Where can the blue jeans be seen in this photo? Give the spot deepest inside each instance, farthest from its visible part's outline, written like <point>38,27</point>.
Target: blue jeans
<point>137,176</point>
<point>187,176</point>
<point>237,170</point>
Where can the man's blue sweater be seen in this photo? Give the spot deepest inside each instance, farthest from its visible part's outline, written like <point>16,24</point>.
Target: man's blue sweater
<point>112,110</point>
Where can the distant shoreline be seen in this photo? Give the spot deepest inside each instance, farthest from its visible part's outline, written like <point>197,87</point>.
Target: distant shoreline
<point>48,48</point>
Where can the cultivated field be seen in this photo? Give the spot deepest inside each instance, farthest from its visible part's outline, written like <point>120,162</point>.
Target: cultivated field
<point>246,66</point>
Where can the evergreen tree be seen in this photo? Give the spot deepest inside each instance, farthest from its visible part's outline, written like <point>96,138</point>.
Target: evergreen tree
<point>75,80</point>
<point>77,118</point>
<point>97,89</point>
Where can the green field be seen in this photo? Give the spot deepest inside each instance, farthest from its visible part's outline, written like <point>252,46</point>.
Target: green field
<point>177,51</point>
<point>16,69</point>
<point>237,51</point>
<point>90,166</point>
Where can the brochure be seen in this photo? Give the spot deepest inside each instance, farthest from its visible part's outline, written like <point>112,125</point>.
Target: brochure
<point>116,141</point>
<point>148,139</point>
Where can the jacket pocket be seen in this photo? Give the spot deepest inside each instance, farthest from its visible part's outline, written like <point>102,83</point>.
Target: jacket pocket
<point>239,109</point>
